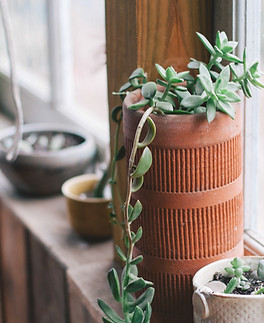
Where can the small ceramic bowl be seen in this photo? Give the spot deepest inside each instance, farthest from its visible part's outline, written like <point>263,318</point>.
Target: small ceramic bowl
<point>89,216</point>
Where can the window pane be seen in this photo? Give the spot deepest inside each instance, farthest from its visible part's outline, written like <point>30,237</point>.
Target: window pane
<point>89,58</point>
<point>260,222</point>
<point>30,30</point>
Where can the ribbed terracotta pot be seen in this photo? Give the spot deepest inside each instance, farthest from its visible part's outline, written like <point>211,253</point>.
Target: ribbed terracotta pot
<point>192,203</point>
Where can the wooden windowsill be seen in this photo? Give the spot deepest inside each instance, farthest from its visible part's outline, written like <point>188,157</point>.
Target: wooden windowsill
<point>48,274</point>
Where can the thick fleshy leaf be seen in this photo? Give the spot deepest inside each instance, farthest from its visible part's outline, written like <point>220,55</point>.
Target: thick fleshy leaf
<point>139,105</point>
<point>230,270</point>
<point>232,86</point>
<point>207,83</point>
<point>229,47</point>
<point>227,108</point>
<point>138,235</point>
<point>194,64</point>
<point>147,313</point>
<point>144,163</point>
<point>137,284</point>
<point>210,110</point>
<point>206,43</point>
<point>170,74</point>
<point>260,270</point>
<point>233,283</point>
<point>137,316</point>
<point>109,312</point>
<point>161,71</point>
<point>164,106</point>
<point>192,101</point>
<point>149,90</point>
<point>121,254</point>
<point>125,87</point>
<point>162,83</point>
<point>136,211</point>
<point>231,96</point>
<point>137,260</point>
<point>257,84</point>
<point>204,71</point>
<point>253,68</point>
<point>237,262</point>
<point>150,134</point>
<point>224,76</point>
<point>137,73</point>
<point>113,281</point>
<point>143,300</point>
<point>232,58</point>
<point>137,183</point>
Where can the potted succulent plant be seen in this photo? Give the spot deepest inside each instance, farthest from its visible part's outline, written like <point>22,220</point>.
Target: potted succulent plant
<point>192,195</point>
<point>230,290</point>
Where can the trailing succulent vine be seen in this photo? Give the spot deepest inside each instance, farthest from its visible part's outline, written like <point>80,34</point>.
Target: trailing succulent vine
<point>214,88</point>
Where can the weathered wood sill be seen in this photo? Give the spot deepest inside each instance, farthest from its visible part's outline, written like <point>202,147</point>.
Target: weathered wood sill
<point>48,274</point>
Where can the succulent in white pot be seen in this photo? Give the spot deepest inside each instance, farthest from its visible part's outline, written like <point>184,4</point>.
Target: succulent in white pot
<point>230,291</point>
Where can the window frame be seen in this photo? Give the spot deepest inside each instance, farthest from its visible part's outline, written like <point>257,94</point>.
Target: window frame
<point>58,104</point>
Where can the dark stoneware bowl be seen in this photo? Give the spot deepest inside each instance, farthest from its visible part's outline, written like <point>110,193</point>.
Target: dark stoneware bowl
<point>43,172</point>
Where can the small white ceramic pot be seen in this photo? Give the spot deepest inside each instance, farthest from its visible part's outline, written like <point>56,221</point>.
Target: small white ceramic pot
<point>213,307</point>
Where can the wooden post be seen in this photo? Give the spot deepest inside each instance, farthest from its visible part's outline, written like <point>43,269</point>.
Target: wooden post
<point>145,32</point>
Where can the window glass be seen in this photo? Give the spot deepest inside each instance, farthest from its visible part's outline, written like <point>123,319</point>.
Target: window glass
<point>89,57</point>
<point>260,219</point>
<point>29,30</point>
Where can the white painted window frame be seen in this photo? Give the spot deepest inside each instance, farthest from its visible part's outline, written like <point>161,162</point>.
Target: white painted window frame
<point>58,105</point>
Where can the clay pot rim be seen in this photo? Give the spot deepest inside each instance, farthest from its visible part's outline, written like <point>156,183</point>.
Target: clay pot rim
<point>135,96</point>
<point>66,191</point>
<point>201,271</point>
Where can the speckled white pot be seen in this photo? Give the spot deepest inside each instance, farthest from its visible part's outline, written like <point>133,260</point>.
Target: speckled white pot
<point>213,307</point>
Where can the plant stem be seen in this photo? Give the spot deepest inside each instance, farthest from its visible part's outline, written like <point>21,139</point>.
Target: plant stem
<point>128,198</point>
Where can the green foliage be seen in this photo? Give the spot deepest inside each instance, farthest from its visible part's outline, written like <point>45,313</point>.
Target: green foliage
<point>213,89</point>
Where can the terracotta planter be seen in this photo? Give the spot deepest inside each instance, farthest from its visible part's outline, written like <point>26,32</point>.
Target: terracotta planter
<point>192,203</point>
<point>89,217</point>
<point>212,307</point>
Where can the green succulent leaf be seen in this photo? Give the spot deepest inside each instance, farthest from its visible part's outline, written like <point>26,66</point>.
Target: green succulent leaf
<point>137,183</point>
<point>204,71</point>
<point>150,134</point>
<point>206,43</point>
<point>227,108</point>
<point>245,268</point>
<point>231,286</point>
<point>232,58</point>
<point>137,260</point>
<point>237,262</point>
<point>229,47</point>
<point>135,212</point>
<point>113,281</point>
<point>238,272</point>
<point>148,313</point>
<point>109,312</point>
<point>143,300</point>
<point>138,315</point>
<point>230,270</point>
<point>137,73</point>
<point>192,101</point>
<point>161,71</point>
<point>121,254</point>
<point>231,96</point>
<point>125,87</point>
<point>138,235</point>
<point>164,106</point>
<point>144,163</point>
<point>260,270</point>
<point>210,110</point>
<point>149,90</point>
<point>224,76</point>
<point>207,83</point>
<point>139,104</point>
<point>257,84</point>
<point>106,320</point>
<point>171,74</point>
<point>194,64</point>
<point>137,284</point>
